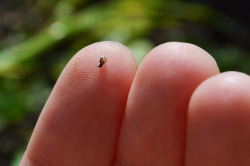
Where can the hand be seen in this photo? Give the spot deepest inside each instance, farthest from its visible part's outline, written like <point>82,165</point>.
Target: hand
<point>174,110</point>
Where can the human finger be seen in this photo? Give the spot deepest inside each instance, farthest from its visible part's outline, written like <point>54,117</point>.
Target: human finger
<point>154,125</point>
<point>219,122</point>
<point>80,121</point>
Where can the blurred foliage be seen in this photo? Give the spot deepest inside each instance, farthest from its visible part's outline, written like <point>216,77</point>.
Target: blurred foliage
<point>37,39</point>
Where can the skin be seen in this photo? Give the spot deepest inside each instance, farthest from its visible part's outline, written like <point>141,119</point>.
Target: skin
<point>176,109</point>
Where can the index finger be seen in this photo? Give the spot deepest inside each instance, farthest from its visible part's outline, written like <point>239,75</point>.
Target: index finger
<point>80,121</point>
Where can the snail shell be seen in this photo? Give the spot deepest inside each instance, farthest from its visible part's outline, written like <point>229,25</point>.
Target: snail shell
<point>103,60</point>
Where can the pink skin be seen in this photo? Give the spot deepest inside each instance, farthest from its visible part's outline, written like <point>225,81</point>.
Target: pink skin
<point>175,110</point>
<point>219,122</point>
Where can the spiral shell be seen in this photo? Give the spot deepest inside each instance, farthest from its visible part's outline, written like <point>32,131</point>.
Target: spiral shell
<point>103,60</point>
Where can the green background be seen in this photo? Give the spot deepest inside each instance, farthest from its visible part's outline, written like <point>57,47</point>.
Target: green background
<point>38,38</point>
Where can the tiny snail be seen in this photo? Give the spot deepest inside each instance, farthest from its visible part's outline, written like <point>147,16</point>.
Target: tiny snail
<point>103,60</point>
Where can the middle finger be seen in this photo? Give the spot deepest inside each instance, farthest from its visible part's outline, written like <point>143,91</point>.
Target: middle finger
<point>154,124</point>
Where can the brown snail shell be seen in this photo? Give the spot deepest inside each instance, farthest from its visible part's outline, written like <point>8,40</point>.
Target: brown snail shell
<point>103,60</point>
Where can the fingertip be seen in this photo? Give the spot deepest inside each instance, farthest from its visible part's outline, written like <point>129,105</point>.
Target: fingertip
<point>80,121</point>
<point>176,63</point>
<point>182,57</point>
<point>218,121</point>
<point>222,90</point>
<point>84,65</point>
<point>154,124</point>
